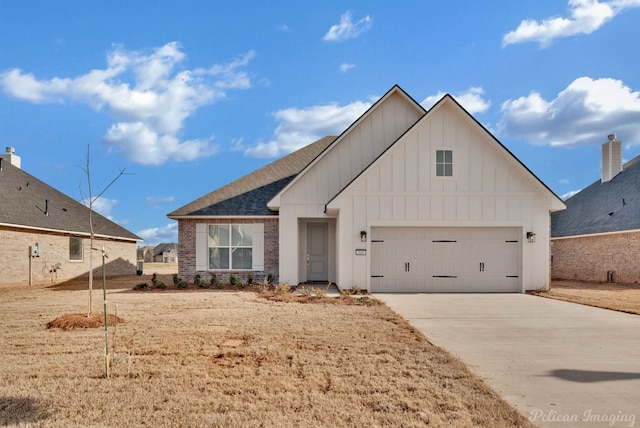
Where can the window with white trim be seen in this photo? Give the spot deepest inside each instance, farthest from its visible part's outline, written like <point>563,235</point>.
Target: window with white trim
<point>444,163</point>
<point>75,249</point>
<point>230,246</point>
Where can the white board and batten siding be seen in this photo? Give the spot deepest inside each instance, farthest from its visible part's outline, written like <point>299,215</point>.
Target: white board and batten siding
<point>202,247</point>
<point>308,194</point>
<point>490,193</point>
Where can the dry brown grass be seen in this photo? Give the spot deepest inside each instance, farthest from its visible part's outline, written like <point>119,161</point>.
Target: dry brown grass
<point>618,297</point>
<point>214,359</point>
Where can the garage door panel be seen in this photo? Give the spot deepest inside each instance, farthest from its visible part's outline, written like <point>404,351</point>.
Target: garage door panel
<point>445,259</point>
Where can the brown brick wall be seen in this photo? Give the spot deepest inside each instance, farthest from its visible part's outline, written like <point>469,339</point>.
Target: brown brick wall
<point>54,264</point>
<point>187,248</point>
<point>590,258</point>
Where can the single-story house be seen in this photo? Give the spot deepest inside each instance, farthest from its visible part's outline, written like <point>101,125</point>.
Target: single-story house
<point>404,200</point>
<point>597,238</point>
<point>45,234</point>
<point>165,253</point>
<point>145,254</point>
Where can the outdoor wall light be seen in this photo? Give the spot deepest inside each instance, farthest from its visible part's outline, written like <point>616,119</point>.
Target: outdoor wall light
<point>363,236</point>
<point>531,237</point>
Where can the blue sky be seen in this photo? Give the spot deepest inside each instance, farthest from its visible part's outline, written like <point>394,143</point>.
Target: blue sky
<point>188,96</point>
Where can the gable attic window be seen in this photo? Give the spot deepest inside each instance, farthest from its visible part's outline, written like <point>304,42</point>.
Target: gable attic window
<point>75,249</point>
<point>444,163</point>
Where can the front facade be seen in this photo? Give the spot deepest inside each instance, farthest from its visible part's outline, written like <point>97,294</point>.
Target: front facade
<point>412,201</point>
<point>45,234</point>
<point>597,238</point>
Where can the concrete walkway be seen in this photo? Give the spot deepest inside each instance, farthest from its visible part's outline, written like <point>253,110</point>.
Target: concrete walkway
<point>558,363</point>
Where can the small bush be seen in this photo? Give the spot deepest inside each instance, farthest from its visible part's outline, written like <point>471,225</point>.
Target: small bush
<point>319,292</point>
<point>304,291</point>
<point>154,279</point>
<point>233,280</point>
<point>270,279</point>
<point>282,289</point>
<point>141,286</point>
<point>214,282</point>
<point>182,283</point>
<point>176,279</point>
<point>160,284</point>
<point>249,279</point>
<point>264,285</point>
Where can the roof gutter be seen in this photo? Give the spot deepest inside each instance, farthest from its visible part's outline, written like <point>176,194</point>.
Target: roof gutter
<point>70,232</point>
<point>591,235</point>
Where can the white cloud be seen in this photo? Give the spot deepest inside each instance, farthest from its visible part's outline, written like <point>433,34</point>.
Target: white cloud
<point>347,29</point>
<point>299,127</point>
<point>156,235</point>
<point>471,100</point>
<point>586,16</point>
<point>157,201</point>
<point>583,113</point>
<point>344,67</point>
<point>563,181</point>
<point>104,206</point>
<point>150,110</point>
<point>567,195</point>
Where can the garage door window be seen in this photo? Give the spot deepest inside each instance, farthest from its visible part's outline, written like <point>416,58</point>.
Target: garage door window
<point>444,163</point>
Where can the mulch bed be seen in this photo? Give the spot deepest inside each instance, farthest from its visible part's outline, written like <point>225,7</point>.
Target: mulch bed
<point>77,321</point>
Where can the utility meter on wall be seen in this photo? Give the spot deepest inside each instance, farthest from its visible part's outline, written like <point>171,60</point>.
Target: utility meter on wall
<point>35,250</point>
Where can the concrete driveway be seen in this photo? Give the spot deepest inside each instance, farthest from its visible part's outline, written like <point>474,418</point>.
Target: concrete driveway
<point>558,363</point>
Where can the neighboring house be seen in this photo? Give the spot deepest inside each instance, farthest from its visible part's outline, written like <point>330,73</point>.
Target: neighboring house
<point>165,253</point>
<point>45,234</point>
<point>597,238</point>
<point>145,254</point>
<point>404,200</point>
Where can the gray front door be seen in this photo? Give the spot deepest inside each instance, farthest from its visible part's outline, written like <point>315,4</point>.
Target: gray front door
<point>317,252</point>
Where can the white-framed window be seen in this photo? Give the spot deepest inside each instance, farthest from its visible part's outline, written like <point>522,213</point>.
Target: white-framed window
<point>444,163</point>
<point>230,246</point>
<point>75,249</point>
<point>237,246</point>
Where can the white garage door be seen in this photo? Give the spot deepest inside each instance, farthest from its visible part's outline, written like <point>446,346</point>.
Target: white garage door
<point>445,260</point>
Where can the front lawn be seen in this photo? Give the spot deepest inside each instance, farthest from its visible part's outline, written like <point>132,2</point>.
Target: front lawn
<point>208,358</point>
<point>618,297</point>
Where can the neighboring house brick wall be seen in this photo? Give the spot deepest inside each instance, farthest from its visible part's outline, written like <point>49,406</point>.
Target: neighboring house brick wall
<point>54,264</point>
<point>589,258</point>
<point>187,248</point>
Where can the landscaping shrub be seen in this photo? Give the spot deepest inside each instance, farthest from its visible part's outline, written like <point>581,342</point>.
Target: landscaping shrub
<point>156,282</point>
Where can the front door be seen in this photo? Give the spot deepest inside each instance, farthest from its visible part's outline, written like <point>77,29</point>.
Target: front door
<point>317,252</point>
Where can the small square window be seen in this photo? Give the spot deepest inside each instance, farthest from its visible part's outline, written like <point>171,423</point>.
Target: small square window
<point>444,163</point>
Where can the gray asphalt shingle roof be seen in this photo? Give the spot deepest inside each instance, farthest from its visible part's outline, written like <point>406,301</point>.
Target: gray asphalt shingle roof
<point>28,202</point>
<point>249,195</point>
<point>612,206</point>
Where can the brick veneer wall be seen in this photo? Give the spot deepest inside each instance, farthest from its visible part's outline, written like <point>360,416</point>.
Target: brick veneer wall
<point>54,265</point>
<point>590,258</point>
<point>187,249</point>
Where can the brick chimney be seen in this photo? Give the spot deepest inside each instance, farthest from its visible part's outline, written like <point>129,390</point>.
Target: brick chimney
<point>10,157</point>
<point>611,158</point>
